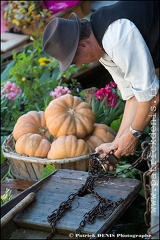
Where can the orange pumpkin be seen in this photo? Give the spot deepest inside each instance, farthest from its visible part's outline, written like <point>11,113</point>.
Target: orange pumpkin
<point>32,145</point>
<point>67,146</point>
<point>31,122</point>
<point>69,115</point>
<point>101,134</point>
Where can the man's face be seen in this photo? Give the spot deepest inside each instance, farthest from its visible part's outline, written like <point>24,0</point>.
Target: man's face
<point>82,58</point>
<point>86,53</point>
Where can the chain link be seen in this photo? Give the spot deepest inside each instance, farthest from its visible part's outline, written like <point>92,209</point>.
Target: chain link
<point>89,217</point>
<point>97,165</point>
<point>96,171</point>
<point>147,195</point>
<point>147,154</point>
<point>57,213</point>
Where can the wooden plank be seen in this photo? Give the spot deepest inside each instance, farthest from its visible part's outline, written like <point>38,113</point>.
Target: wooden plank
<point>16,185</point>
<point>65,182</point>
<point>11,40</point>
<point>23,233</point>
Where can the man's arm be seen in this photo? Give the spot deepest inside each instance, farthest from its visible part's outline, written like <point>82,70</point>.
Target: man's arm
<point>136,114</point>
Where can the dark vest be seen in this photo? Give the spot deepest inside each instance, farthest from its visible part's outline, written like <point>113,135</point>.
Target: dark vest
<point>144,14</point>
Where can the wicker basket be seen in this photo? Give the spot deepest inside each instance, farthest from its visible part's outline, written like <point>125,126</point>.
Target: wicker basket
<point>30,168</point>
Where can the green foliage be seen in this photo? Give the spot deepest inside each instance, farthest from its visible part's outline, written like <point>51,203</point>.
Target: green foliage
<point>5,71</point>
<point>104,113</point>
<point>6,196</point>
<point>47,170</point>
<point>37,75</point>
<point>111,114</point>
<point>115,124</point>
<point>3,159</point>
<point>133,173</point>
<point>8,174</point>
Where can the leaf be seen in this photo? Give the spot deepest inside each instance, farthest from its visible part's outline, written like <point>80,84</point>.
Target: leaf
<point>3,159</point>
<point>116,124</point>
<point>133,173</point>
<point>82,94</point>
<point>47,170</point>
<point>6,196</point>
<point>45,75</point>
<point>5,73</point>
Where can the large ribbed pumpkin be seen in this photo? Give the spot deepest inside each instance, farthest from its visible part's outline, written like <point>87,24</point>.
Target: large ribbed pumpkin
<point>32,145</point>
<point>67,146</point>
<point>31,122</point>
<point>69,115</point>
<point>101,134</point>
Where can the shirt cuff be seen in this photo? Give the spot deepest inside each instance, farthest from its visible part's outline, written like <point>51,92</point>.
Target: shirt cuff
<point>149,93</point>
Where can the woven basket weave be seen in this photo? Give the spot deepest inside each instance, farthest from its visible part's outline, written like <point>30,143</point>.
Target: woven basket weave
<point>30,168</point>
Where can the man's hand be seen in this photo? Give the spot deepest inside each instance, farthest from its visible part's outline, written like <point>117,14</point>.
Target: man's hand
<point>125,145</point>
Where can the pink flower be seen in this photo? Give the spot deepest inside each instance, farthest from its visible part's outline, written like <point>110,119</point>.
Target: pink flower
<point>113,84</point>
<point>90,93</point>
<point>11,90</point>
<point>7,86</point>
<point>109,93</point>
<point>59,91</point>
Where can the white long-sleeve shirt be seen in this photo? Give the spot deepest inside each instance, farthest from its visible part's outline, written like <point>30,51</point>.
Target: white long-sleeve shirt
<point>129,61</point>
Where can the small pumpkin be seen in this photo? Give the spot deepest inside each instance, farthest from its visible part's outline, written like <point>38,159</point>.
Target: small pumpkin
<point>67,146</point>
<point>32,145</point>
<point>101,134</point>
<point>31,122</point>
<point>69,115</point>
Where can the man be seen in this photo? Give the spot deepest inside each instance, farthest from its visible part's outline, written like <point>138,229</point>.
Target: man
<point>124,37</point>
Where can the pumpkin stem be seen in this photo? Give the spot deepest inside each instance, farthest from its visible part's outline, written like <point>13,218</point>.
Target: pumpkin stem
<point>42,130</point>
<point>71,111</point>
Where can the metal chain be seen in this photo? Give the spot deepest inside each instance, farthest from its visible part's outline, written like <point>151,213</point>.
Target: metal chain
<point>147,155</point>
<point>57,213</point>
<point>96,171</point>
<point>151,229</point>
<point>97,165</point>
<point>97,212</point>
<point>147,195</point>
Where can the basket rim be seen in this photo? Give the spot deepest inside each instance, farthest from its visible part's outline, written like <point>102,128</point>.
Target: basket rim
<point>26,158</point>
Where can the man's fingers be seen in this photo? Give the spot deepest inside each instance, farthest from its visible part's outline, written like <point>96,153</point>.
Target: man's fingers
<point>104,147</point>
<point>118,153</point>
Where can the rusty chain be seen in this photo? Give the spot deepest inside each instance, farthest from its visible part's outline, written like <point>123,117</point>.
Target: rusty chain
<point>147,155</point>
<point>97,170</point>
<point>147,194</point>
<point>98,165</point>
<point>89,217</point>
<point>57,213</point>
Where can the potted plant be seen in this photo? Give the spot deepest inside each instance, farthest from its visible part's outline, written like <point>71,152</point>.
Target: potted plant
<point>26,16</point>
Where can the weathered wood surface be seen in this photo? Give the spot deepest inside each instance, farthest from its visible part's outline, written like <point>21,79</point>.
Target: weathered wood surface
<point>60,186</point>
<point>15,185</point>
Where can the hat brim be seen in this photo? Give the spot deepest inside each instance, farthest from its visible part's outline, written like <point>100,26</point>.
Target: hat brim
<point>69,59</point>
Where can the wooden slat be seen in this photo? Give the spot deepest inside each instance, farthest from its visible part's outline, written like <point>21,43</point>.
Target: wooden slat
<point>15,185</point>
<point>65,182</point>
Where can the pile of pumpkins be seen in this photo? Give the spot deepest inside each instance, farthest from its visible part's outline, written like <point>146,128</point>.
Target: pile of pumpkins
<point>65,129</point>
